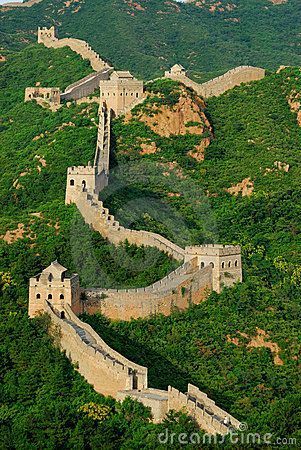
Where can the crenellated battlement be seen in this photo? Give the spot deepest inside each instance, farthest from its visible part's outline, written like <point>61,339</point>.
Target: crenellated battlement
<point>219,85</point>
<point>108,371</point>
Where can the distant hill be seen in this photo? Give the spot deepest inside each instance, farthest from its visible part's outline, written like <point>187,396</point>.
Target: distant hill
<point>147,36</point>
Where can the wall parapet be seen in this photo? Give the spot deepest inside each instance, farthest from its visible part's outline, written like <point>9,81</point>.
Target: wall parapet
<point>219,85</point>
<point>102,366</point>
<point>207,414</point>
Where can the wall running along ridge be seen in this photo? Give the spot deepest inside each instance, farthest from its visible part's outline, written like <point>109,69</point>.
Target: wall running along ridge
<point>58,295</point>
<point>217,86</point>
<point>109,372</point>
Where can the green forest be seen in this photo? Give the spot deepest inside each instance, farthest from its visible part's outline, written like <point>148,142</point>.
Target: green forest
<point>253,126</point>
<point>44,403</point>
<point>149,36</point>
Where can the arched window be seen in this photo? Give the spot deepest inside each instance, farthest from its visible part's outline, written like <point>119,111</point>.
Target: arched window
<point>229,264</point>
<point>62,315</point>
<point>71,182</point>
<point>83,185</point>
<point>212,265</point>
<point>49,296</point>
<point>50,277</point>
<point>236,263</point>
<point>137,95</point>
<point>223,264</point>
<point>38,296</point>
<point>62,297</point>
<point>202,265</point>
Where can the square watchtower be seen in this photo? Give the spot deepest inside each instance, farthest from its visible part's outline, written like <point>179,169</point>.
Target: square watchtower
<point>225,261</point>
<point>54,285</point>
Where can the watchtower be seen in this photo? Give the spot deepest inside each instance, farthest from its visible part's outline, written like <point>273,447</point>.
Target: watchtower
<point>176,71</point>
<point>120,91</point>
<point>47,34</point>
<point>54,285</point>
<point>225,261</point>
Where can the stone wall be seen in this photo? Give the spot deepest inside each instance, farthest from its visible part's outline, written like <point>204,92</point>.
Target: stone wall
<point>99,218</point>
<point>85,86</point>
<point>207,414</point>
<point>49,38</point>
<point>186,285</point>
<point>219,85</point>
<point>105,369</point>
<point>155,399</point>
<point>49,95</point>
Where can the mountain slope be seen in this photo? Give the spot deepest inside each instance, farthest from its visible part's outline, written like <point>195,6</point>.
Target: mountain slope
<point>148,36</point>
<point>37,146</point>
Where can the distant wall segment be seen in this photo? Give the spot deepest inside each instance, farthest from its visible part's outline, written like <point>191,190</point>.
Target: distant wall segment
<point>219,85</point>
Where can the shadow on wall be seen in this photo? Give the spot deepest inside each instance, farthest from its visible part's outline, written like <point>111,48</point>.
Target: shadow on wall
<point>167,374</point>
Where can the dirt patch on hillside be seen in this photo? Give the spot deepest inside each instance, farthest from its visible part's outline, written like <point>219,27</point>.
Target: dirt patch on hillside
<point>13,235</point>
<point>278,2</point>
<point>245,188</point>
<point>148,148</point>
<point>294,101</point>
<point>258,341</point>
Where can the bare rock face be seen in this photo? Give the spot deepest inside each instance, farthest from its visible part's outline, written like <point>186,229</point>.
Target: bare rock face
<point>245,188</point>
<point>185,117</point>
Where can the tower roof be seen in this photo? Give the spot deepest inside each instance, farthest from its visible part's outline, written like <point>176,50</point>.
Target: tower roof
<point>178,67</point>
<point>55,267</point>
<point>121,74</point>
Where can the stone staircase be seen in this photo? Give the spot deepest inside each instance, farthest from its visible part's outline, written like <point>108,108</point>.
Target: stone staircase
<point>100,219</point>
<point>102,154</point>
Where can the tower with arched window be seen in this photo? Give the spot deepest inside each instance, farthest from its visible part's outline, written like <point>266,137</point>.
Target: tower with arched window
<point>55,286</point>
<point>225,261</point>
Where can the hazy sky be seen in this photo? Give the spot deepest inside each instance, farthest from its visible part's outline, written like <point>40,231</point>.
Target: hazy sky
<point>8,1</point>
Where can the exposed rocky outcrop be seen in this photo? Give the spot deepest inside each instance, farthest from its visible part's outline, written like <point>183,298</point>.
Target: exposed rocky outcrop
<point>245,188</point>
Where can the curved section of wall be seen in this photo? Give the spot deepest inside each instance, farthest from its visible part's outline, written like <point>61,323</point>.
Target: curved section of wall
<point>103,367</point>
<point>185,286</point>
<point>78,46</point>
<point>99,218</point>
<point>223,83</point>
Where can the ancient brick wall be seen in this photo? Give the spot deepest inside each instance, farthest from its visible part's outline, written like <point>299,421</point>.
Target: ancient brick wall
<point>85,86</point>
<point>186,285</point>
<point>219,85</point>
<point>105,369</point>
<point>204,410</point>
<point>96,215</point>
<point>49,39</point>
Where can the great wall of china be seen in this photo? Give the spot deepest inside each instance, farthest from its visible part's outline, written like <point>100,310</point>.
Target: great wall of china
<point>204,268</point>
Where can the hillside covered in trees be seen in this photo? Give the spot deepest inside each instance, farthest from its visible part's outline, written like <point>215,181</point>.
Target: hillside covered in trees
<point>148,36</point>
<point>229,174</point>
<point>242,347</point>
